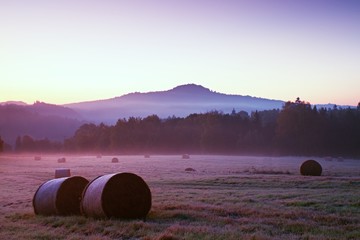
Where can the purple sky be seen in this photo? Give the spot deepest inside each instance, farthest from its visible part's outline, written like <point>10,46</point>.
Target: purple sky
<point>70,51</point>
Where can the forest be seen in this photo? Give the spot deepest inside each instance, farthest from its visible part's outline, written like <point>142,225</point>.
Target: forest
<point>297,129</point>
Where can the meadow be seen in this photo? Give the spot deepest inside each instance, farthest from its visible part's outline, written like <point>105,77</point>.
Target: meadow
<point>222,197</point>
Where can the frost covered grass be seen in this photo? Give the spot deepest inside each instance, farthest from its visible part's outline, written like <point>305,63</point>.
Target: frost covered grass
<point>227,197</point>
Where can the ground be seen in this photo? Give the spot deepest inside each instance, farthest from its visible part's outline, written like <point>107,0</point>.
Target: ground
<point>226,197</point>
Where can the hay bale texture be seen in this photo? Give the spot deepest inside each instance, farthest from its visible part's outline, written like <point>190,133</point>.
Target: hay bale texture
<point>311,168</point>
<point>59,196</point>
<point>114,160</point>
<point>61,160</point>
<point>119,195</point>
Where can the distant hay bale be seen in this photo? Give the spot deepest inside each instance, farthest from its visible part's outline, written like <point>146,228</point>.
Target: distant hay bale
<point>119,195</point>
<point>59,196</point>
<point>61,160</point>
<point>114,160</point>
<point>166,236</point>
<point>146,156</point>
<point>37,158</point>
<point>185,156</point>
<point>98,156</point>
<point>62,172</point>
<point>190,170</point>
<point>311,168</point>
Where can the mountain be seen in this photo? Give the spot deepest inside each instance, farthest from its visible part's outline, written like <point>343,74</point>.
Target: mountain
<point>39,121</point>
<point>179,101</point>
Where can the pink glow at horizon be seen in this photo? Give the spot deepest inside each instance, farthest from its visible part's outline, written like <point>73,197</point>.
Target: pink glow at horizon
<point>70,51</point>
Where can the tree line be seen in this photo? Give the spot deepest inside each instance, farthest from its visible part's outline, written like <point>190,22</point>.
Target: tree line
<point>297,129</point>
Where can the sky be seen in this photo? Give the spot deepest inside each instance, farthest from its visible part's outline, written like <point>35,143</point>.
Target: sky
<point>69,51</point>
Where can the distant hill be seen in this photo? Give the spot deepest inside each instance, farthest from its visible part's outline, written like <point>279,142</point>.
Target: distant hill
<point>179,101</point>
<point>42,120</point>
<point>13,103</point>
<point>39,120</point>
<point>46,109</point>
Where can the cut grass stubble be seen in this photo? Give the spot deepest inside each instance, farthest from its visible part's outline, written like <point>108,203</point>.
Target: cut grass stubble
<point>220,205</point>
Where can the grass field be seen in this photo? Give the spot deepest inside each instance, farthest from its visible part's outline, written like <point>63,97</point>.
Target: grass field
<point>227,197</point>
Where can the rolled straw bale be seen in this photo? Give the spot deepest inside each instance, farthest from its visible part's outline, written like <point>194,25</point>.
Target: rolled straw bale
<point>146,156</point>
<point>185,156</point>
<point>59,196</point>
<point>119,195</point>
<point>114,160</point>
<point>310,168</point>
<point>61,160</point>
<point>190,170</point>
<point>62,172</point>
<point>37,158</point>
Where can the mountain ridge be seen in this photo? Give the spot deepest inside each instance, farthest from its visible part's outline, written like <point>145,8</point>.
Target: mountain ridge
<point>186,96</point>
<point>179,101</point>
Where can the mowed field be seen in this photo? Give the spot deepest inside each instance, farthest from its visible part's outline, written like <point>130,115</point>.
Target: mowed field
<point>226,197</point>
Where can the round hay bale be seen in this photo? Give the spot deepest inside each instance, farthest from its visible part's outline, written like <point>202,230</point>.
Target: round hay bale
<point>185,156</point>
<point>61,160</point>
<point>119,195</point>
<point>190,170</point>
<point>37,158</point>
<point>114,160</point>
<point>59,196</point>
<point>146,156</point>
<point>62,172</point>
<point>310,168</point>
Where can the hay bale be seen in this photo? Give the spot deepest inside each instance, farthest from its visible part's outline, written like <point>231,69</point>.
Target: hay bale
<point>62,172</point>
<point>59,196</point>
<point>146,156</point>
<point>310,168</point>
<point>98,156</point>
<point>185,156</point>
<point>61,160</point>
<point>37,158</point>
<point>114,160</point>
<point>119,195</point>
<point>190,170</point>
